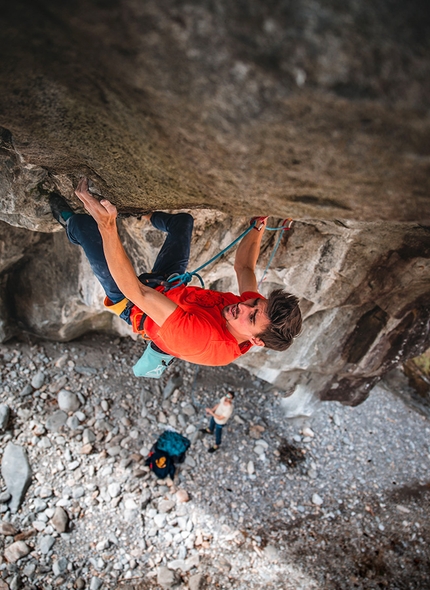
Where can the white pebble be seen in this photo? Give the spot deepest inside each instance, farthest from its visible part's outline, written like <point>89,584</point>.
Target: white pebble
<point>317,500</point>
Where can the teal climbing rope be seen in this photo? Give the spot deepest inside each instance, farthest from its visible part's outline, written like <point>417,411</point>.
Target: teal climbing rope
<point>186,277</point>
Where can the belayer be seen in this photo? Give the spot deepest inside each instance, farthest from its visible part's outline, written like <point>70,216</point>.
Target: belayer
<point>191,323</point>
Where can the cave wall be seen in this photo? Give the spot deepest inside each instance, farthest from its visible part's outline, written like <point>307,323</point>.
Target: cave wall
<point>313,110</point>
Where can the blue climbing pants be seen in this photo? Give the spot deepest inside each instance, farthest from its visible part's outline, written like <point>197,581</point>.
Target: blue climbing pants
<point>172,258</point>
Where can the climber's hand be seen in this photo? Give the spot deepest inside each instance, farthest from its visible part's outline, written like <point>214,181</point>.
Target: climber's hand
<point>103,211</point>
<point>260,222</point>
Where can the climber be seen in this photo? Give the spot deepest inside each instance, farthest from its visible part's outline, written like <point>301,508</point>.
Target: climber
<point>197,325</point>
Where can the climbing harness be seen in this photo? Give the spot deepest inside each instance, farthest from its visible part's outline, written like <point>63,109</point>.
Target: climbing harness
<point>183,279</point>
<point>153,362</point>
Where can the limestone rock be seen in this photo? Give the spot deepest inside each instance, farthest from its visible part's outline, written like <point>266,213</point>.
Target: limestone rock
<point>4,416</point>
<point>182,496</point>
<point>56,420</point>
<point>16,550</point>
<point>46,543</point>
<point>38,380</point>
<point>60,520</point>
<point>196,582</point>
<point>68,401</point>
<point>166,578</point>
<point>6,528</point>
<point>16,473</point>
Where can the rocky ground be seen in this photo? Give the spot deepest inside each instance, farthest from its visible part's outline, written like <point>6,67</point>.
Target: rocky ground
<point>336,501</point>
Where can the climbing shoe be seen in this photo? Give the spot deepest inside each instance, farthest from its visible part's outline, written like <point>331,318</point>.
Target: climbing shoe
<point>213,449</point>
<point>60,208</point>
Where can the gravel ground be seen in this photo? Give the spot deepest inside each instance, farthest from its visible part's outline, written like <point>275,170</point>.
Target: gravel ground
<point>338,500</point>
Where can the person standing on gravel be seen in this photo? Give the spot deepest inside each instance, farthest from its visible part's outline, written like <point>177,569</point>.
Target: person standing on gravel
<point>197,325</point>
<point>220,414</point>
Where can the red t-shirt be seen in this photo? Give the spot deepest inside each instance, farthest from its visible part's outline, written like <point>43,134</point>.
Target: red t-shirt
<point>197,331</point>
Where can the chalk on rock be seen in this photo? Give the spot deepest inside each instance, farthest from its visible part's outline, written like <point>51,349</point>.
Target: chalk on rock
<point>16,473</point>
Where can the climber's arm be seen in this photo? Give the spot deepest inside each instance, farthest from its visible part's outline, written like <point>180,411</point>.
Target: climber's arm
<point>156,305</point>
<point>247,256</point>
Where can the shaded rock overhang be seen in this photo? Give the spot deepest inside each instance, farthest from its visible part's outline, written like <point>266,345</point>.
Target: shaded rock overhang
<point>301,108</point>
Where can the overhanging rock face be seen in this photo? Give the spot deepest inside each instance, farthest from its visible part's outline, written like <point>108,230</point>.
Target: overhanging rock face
<point>364,291</point>
<point>303,109</point>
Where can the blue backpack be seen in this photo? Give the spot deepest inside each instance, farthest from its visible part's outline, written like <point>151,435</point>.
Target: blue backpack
<point>170,448</point>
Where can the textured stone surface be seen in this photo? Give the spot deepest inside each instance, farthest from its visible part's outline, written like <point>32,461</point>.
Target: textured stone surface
<point>365,292</point>
<point>4,416</point>
<point>16,550</point>
<point>16,473</point>
<point>60,520</point>
<point>313,108</point>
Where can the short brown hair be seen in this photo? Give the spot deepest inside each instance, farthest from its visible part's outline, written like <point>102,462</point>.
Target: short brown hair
<point>285,320</point>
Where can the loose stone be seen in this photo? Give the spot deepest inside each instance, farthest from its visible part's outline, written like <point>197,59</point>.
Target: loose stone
<point>114,490</point>
<point>16,551</point>
<point>38,380</point>
<point>60,520</point>
<point>4,497</point>
<point>60,566</point>
<point>173,383</point>
<point>196,582</point>
<point>56,421</point>
<point>96,583</point>
<point>177,564</point>
<point>28,390</point>
<point>182,496</point>
<point>191,562</point>
<point>86,449</point>
<point>88,436</point>
<point>165,506</point>
<point>4,416</point>
<point>317,500</point>
<point>308,432</point>
<point>45,492</point>
<point>165,577</point>
<point>113,451</point>
<point>271,553</point>
<point>160,520</point>
<point>68,401</point>
<point>45,544</point>
<point>16,473</point>
<point>6,528</point>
